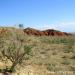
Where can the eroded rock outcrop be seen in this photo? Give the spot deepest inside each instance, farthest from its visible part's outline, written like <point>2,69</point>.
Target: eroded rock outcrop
<point>49,32</point>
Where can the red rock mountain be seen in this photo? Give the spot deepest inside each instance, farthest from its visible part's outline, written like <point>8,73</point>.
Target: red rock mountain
<point>49,32</point>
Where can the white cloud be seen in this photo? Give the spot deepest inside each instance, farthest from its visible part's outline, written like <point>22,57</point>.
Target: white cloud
<point>64,26</point>
<point>67,26</point>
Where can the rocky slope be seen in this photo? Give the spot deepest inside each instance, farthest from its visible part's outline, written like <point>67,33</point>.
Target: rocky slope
<point>49,32</point>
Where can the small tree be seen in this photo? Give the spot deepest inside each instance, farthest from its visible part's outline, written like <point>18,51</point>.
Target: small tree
<point>21,26</point>
<point>16,53</point>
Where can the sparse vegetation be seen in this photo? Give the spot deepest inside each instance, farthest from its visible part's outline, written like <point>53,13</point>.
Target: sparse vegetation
<point>66,62</point>
<point>53,52</point>
<point>73,57</point>
<point>51,67</point>
<point>14,51</point>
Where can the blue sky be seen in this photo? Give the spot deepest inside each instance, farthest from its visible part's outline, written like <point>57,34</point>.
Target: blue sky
<point>40,14</point>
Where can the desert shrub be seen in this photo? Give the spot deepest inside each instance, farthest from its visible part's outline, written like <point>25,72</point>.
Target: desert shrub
<point>45,40</point>
<point>58,40</point>
<point>66,62</point>
<point>73,57</point>
<point>54,39</point>
<point>72,68</point>
<point>15,52</point>
<point>51,67</point>
<point>54,53</point>
<point>69,48</point>
<point>42,52</point>
<point>64,57</point>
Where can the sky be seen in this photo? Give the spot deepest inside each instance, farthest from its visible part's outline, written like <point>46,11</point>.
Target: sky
<point>39,14</point>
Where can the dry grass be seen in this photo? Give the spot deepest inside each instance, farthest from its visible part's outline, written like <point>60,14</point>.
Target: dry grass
<point>53,53</point>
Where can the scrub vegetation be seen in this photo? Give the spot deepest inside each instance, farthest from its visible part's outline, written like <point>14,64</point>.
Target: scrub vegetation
<point>50,53</point>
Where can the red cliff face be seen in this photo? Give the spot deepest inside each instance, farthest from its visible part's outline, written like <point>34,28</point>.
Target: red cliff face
<point>49,32</point>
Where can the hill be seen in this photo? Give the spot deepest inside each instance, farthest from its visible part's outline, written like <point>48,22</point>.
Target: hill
<point>48,32</point>
<point>50,53</point>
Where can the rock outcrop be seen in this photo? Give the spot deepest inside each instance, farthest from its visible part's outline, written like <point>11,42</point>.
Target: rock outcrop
<point>49,32</point>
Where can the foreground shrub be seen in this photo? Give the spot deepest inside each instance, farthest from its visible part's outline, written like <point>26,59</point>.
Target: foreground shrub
<point>15,52</point>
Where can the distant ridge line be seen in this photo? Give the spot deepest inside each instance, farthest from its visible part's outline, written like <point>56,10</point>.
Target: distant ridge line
<point>48,32</point>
